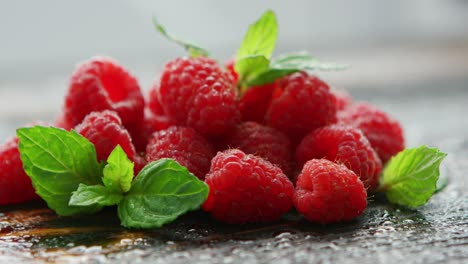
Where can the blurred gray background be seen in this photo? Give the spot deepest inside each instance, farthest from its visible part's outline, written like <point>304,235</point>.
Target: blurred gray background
<point>393,47</point>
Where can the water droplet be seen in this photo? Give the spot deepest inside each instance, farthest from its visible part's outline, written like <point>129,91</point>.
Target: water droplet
<point>126,241</point>
<point>283,234</point>
<point>387,223</point>
<point>79,250</point>
<point>408,222</point>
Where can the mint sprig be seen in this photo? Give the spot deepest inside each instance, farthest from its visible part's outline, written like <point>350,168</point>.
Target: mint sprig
<point>289,63</point>
<point>411,176</point>
<point>253,60</point>
<point>192,49</point>
<point>161,192</point>
<point>57,161</point>
<point>64,171</point>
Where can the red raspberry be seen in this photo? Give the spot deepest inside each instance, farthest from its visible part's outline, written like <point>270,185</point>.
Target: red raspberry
<point>197,93</point>
<point>383,132</point>
<point>255,102</point>
<point>342,99</point>
<point>156,116</point>
<point>154,120</point>
<point>61,122</point>
<point>230,68</point>
<point>300,104</point>
<point>141,134</point>
<point>101,84</point>
<point>246,189</point>
<point>15,185</point>
<point>327,192</point>
<point>184,145</point>
<point>345,145</point>
<point>104,129</point>
<point>265,142</point>
<point>139,164</point>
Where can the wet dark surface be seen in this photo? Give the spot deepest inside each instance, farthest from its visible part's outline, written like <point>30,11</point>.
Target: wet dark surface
<point>434,233</point>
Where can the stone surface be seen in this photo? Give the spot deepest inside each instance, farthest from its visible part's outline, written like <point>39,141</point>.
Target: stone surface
<point>434,233</point>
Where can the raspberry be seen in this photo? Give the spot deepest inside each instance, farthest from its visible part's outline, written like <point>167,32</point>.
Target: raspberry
<point>139,164</point>
<point>104,129</point>
<point>15,185</point>
<point>197,93</point>
<point>255,102</point>
<point>265,142</point>
<point>300,104</point>
<point>230,68</point>
<point>61,122</point>
<point>101,84</point>
<point>342,99</point>
<point>156,116</point>
<point>345,145</point>
<point>154,120</point>
<point>383,132</point>
<point>184,145</point>
<point>141,134</point>
<point>327,192</point>
<point>246,189</point>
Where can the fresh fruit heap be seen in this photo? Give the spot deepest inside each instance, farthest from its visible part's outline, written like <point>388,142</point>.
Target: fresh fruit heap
<point>246,142</point>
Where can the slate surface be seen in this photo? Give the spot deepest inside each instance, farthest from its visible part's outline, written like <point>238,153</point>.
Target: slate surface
<point>434,233</point>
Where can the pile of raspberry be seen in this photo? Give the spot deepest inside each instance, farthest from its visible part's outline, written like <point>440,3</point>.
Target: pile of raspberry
<point>291,143</point>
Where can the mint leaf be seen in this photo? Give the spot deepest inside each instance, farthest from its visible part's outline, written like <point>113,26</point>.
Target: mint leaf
<point>249,68</point>
<point>410,177</point>
<point>94,195</point>
<point>192,49</point>
<point>57,161</point>
<point>295,60</point>
<point>269,76</point>
<point>118,173</point>
<point>161,192</point>
<point>289,63</point>
<point>303,61</point>
<point>260,38</point>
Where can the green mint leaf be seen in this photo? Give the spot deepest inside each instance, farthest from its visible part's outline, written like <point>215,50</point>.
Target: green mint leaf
<point>118,173</point>
<point>94,195</point>
<point>303,61</point>
<point>289,63</point>
<point>410,177</point>
<point>294,60</point>
<point>269,76</point>
<point>250,67</point>
<point>57,161</point>
<point>260,38</point>
<point>192,49</point>
<point>161,192</point>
